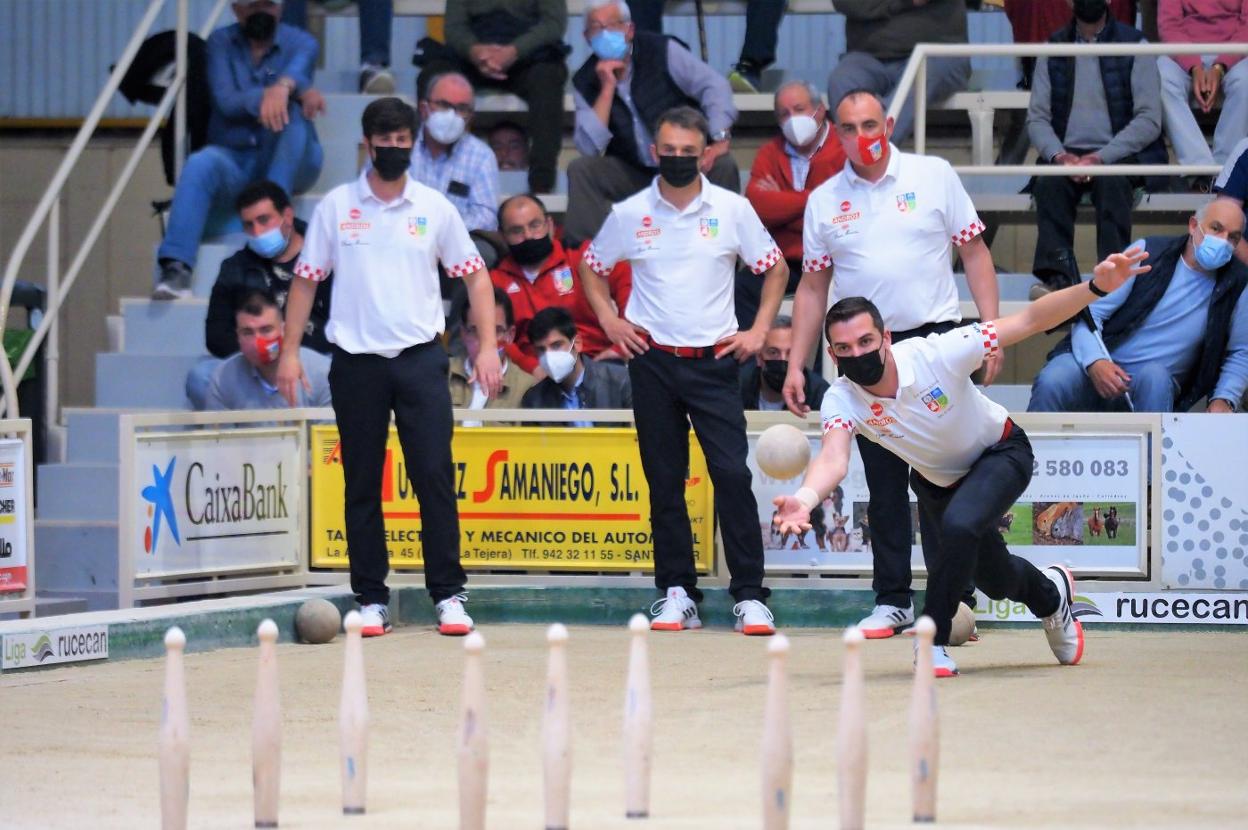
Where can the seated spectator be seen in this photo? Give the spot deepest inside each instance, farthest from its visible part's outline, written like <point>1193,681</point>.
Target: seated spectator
<point>248,380</point>
<point>620,91</point>
<point>1232,183</point>
<point>516,46</point>
<point>786,170</point>
<point>266,263</point>
<point>452,160</point>
<point>763,379</point>
<point>572,382</point>
<point>376,21</point>
<point>466,393</point>
<point>1117,121</point>
<point>879,38</point>
<point>539,273</point>
<point>260,79</point>
<point>510,144</point>
<point>1171,337</point>
<point>1202,77</point>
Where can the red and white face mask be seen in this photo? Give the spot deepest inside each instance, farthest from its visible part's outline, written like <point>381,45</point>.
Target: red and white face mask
<point>266,350</point>
<point>872,148</point>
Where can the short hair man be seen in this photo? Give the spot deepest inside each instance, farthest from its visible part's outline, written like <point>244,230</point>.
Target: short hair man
<point>1170,338</point>
<point>762,381</point>
<point>539,272</point>
<point>452,160</point>
<point>466,391</point>
<point>620,91</point>
<point>572,381</point>
<point>248,380</point>
<point>260,79</point>
<point>510,143</point>
<point>969,462</point>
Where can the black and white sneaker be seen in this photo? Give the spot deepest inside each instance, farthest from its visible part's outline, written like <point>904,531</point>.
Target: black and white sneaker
<point>674,612</point>
<point>175,281</point>
<point>1064,632</point>
<point>886,620</point>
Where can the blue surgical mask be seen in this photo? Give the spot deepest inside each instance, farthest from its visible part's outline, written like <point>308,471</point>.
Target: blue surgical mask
<point>609,45</point>
<point>268,244</point>
<point>1213,251</point>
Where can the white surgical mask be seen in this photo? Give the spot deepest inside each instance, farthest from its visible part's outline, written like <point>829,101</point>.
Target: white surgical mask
<point>558,365</point>
<point>800,129</point>
<point>446,126</point>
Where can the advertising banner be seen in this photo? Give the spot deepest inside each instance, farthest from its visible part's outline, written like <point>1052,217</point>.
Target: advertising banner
<point>529,498</point>
<point>12,516</point>
<point>62,645</point>
<point>1176,607</point>
<point>216,500</point>
<point>1085,506</point>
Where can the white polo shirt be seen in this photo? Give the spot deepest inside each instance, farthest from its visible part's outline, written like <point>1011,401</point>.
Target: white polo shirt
<point>384,257</point>
<point>890,241</point>
<point>939,423</point>
<point>683,261</point>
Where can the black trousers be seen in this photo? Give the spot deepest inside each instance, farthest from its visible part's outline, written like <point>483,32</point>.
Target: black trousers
<point>748,291</point>
<point>365,389</point>
<point>668,393</point>
<point>540,84</point>
<point>1057,199</point>
<point>963,521</point>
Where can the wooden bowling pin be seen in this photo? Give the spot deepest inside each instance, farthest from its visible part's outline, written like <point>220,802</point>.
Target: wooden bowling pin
<point>638,722</point>
<point>924,731</point>
<point>777,739</point>
<point>851,735</point>
<point>474,748</point>
<point>266,730</point>
<point>353,719</point>
<point>556,744</point>
<point>175,729</point>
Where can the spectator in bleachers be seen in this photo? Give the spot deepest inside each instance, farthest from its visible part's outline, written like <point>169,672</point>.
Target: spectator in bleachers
<point>1232,183</point>
<point>1117,121</point>
<point>762,381</point>
<point>620,91</point>
<point>260,78</point>
<point>266,263</point>
<point>572,382</point>
<point>1172,336</point>
<point>376,22</point>
<point>516,46</point>
<point>1202,77</point>
<point>466,393</point>
<point>786,170</point>
<point>452,160</point>
<point>510,144</point>
<point>539,273</point>
<point>879,38</point>
<point>248,380</point>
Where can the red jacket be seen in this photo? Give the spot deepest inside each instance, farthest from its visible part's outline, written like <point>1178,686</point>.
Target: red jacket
<point>782,210</point>
<point>557,284</point>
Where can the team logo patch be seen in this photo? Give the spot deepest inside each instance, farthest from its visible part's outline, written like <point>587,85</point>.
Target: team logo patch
<point>935,399</point>
<point>906,202</point>
<point>845,206</point>
<point>709,228</point>
<point>563,279</point>
<point>417,225</point>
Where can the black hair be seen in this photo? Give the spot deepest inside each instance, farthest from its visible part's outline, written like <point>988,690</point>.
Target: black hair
<point>500,299</point>
<point>388,115</point>
<point>853,93</point>
<point>848,309</point>
<point>260,190</point>
<point>254,301</point>
<point>687,118</point>
<point>552,318</point>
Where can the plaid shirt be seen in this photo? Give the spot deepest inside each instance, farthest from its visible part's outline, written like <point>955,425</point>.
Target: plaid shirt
<point>471,164</point>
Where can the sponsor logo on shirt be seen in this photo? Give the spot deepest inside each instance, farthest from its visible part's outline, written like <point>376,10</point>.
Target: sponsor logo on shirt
<point>876,409</point>
<point>417,225</point>
<point>845,206</point>
<point>846,217</point>
<point>563,279</point>
<point>513,288</point>
<point>708,228</point>
<point>646,221</point>
<point>354,213</point>
<point>935,399</point>
<point>879,420</point>
<point>906,202</point>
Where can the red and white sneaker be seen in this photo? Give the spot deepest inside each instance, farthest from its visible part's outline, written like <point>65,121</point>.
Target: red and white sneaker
<point>754,619</point>
<point>885,621</point>
<point>376,619</point>
<point>942,663</point>
<point>1064,632</point>
<point>674,612</point>
<point>453,620</point>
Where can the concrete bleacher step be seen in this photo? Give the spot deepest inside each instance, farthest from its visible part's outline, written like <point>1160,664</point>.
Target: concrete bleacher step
<point>55,606</point>
<point>77,559</point>
<point>142,381</point>
<point>77,491</point>
<point>156,327</point>
<point>92,435</point>
<point>212,253</point>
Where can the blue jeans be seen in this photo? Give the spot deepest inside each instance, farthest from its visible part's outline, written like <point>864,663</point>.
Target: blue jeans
<point>1062,386</point>
<point>213,176</point>
<point>376,20</point>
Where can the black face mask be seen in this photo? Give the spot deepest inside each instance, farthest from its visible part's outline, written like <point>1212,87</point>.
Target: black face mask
<point>774,372</point>
<point>865,369</point>
<point>1090,11</point>
<point>532,251</point>
<point>678,171</point>
<point>259,26</point>
<point>391,162</point>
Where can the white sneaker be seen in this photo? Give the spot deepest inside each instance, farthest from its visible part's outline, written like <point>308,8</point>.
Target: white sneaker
<point>942,663</point>
<point>376,619</point>
<point>453,620</point>
<point>754,618</point>
<point>1065,633</point>
<point>674,612</point>
<point>885,621</point>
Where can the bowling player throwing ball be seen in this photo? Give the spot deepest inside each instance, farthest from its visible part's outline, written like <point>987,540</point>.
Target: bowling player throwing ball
<point>969,462</point>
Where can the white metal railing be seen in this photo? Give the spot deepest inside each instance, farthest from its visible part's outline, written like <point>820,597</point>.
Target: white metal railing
<point>916,74</point>
<point>48,208</point>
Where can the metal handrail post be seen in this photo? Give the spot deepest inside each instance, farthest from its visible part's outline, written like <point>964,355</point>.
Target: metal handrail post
<point>179,111</point>
<point>52,354</point>
<point>920,108</point>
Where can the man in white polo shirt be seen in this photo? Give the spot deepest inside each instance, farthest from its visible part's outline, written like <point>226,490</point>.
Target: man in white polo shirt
<point>969,462</point>
<point>683,236</point>
<point>883,228</point>
<point>383,236</point>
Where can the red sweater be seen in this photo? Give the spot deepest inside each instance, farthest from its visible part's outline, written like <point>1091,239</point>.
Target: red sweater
<point>782,210</point>
<point>559,284</point>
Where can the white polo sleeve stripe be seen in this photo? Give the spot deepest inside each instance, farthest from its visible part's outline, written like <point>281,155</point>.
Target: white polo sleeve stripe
<point>456,250</point>
<point>815,254</point>
<point>316,259</point>
<point>608,246</point>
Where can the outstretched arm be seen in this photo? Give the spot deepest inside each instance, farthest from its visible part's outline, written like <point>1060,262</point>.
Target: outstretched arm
<point>825,472</point>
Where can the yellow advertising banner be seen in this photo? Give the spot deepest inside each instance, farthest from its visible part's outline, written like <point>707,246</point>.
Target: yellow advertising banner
<point>529,498</point>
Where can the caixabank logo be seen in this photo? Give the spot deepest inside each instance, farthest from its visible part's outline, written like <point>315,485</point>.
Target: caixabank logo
<point>160,512</point>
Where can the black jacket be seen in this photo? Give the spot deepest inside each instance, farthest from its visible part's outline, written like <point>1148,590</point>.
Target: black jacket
<point>751,377</point>
<point>605,386</point>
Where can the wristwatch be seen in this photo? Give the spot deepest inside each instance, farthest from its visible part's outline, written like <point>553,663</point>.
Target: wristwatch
<point>722,135</point>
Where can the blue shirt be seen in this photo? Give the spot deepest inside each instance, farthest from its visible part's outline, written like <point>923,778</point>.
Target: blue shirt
<point>237,385</point>
<point>467,174</point>
<point>237,84</point>
<point>572,400</point>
